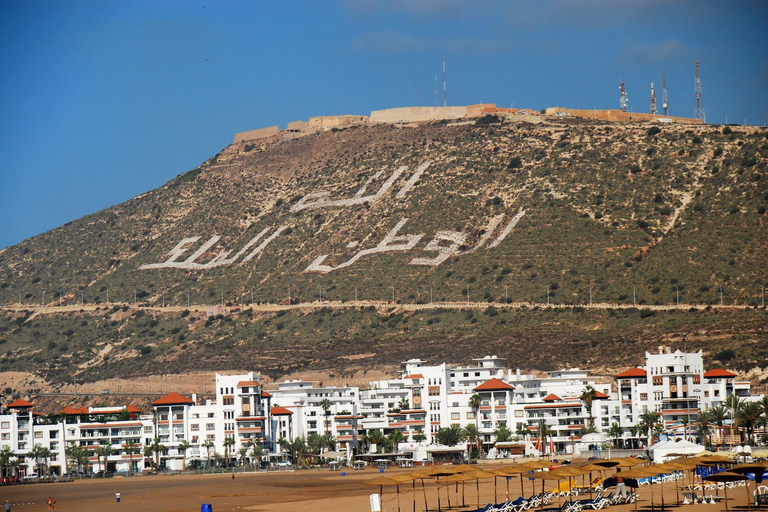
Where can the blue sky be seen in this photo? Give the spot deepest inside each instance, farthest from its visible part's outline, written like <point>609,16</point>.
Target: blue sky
<point>101,101</point>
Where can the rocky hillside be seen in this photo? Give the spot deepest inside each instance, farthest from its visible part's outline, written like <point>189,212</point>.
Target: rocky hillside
<point>491,212</point>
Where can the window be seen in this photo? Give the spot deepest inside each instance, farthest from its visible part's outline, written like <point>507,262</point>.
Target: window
<point>697,379</point>
<point>658,380</point>
<point>643,396</point>
<point>455,416</point>
<point>54,434</point>
<point>5,424</point>
<point>519,414</point>
<point>194,427</point>
<point>706,393</point>
<point>228,400</point>
<point>147,429</point>
<point>38,435</point>
<point>245,389</point>
<point>471,415</point>
<point>6,436</point>
<point>210,437</point>
<point>210,426</point>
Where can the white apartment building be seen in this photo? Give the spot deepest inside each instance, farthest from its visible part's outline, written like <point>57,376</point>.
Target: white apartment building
<point>423,399</point>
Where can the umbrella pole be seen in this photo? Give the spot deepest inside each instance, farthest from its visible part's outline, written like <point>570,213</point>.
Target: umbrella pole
<point>725,490</point>
<point>477,486</point>
<point>438,494</point>
<point>507,498</point>
<point>463,503</point>
<point>424,490</point>
<point>448,494</point>
<point>746,487</point>
<point>413,487</point>
<point>398,497</point>
<point>541,505</point>
<point>495,497</point>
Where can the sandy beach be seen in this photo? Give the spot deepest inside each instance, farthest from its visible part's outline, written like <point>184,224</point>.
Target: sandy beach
<point>316,490</point>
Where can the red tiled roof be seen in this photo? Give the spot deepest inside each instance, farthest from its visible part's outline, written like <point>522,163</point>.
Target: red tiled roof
<point>247,383</point>
<point>634,372</point>
<point>711,374</point>
<point>264,394</point>
<point>494,385</point>
<point>133,409</point>
<point>551,398</point>
<point>280,411</point>
<point>414,376</point>
<point>20,403</point>
<point>173,399</point>
<point>600,394</point>
<point>71,410</point>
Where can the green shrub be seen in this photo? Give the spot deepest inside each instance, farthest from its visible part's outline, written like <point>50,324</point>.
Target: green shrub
<point>653,130</point>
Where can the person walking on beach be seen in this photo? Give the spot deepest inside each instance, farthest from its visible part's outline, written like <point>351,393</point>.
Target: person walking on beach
<point>7,506</point>
<point>233,474</point>
<point>50,503</point>
<point>621,484</point>
<point>53,502</point>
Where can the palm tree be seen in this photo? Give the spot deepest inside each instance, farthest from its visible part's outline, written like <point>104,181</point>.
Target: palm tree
<point>131,448</point>
<point>6,454</point>
<point>37,453</point>
<point>228,443</point>
<point>502,434</point>
<point>616,431</point>
<point>218,459</point>
<point>375,437</point>
<point>404,405</point>
<point>243,451</point>
<point>648,422</point>
<point>298,446</point>
<point>704,419</point>
<point>419,436</point>
<point>719,415</point>
<point>449,436</point>
<point>588,395</point>
<point>314,442</point>
<point>208,444</point>
<point>46,455</point>
<point>284,444</point>
<point>148,455</point>
<point>105,451</point>
<point>395,437</point>
<point>749,416</point>
<point>183,447</point>
<point>157,449</point>
<point>734,403</point>
<point>475,401</point>
<point>522,431</point>
<point>633,430</point>
<point>326,405</point>
<point>257,452</point>
<point>471,434</point>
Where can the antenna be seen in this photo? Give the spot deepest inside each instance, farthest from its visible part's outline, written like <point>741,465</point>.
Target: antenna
<point>653,99</point>
<point>419,93</point>
<point>445,95</point>
<point>436,95</point>
<point>698,113</point>
<point>664,102</point>
<point>623,101</point>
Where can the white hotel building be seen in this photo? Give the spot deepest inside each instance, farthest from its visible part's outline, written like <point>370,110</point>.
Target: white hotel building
<point>423,399</point>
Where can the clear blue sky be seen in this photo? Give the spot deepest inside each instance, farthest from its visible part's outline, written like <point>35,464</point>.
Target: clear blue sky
<point>103,100</point>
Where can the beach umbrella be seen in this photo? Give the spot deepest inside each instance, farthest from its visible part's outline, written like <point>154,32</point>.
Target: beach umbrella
<point>554,474</point>
<point>725,476</point>
<point>509,471</point>
<point>386,480</point>
<point>475,475</point>
<point>743,469</point>
<point>535,465</point>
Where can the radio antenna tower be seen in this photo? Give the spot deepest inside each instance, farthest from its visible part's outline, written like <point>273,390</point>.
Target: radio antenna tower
<point>664,103</point>
<point>624,100</point>
<point>436,96</point>
<point>445,94</point>
<point>699,112</point>
<point>653,99</point>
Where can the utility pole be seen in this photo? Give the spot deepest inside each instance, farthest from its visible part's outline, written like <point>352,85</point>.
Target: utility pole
<point>653,99</point>
<point>664,102</point>
<point>623,100</point>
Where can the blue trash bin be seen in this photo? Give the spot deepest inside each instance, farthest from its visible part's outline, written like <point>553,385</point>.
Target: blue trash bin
<point>207,507</point>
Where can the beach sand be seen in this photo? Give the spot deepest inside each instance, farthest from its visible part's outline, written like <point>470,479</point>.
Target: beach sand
<point>314,490</point>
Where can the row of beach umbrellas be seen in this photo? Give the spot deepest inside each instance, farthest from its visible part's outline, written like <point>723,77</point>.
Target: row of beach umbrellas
<point>448,476</point>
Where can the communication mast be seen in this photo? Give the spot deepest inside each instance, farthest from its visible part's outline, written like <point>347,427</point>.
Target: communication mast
<point>699,111</point>
<point>664,103</point>
<point>624,100</point>
<point>445,94</point>
<point>653,99</point>
<point>436,95</point>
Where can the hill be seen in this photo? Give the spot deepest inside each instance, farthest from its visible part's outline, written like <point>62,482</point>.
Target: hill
<point>493,212</point>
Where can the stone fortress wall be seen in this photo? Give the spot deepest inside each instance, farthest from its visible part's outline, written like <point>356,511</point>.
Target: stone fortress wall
<point>408,115</point>
<point>618,116</point>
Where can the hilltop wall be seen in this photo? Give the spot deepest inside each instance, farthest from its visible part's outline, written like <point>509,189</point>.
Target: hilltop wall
<point>619,116</point>
<point>261,133</point>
